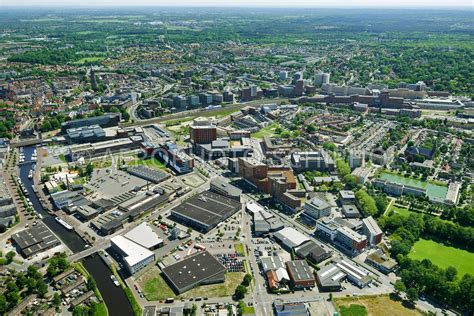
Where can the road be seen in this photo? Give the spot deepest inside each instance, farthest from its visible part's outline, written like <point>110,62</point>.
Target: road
<point>104,242</point>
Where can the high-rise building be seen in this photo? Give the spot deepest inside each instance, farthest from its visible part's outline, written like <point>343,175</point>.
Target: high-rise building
<point>202,131</point>
<point>283,75</point>
<point>299,87</point>
<point>322,78</point>
<point>297,76</point>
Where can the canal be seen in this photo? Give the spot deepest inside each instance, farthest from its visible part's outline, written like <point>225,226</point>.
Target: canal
<point>72,240</point>
<point>114,296</point>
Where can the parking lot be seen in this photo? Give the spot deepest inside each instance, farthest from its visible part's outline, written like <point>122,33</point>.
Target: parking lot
<point>263,247</point>
<point>106,184</point>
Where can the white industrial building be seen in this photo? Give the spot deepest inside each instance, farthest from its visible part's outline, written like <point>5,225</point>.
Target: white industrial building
<point>144,235</point>
<point>134,256</point>
<point>290,237</point>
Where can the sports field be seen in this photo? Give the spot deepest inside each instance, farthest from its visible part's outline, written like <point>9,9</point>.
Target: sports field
<point>443,256</point>
<point>372,305</point>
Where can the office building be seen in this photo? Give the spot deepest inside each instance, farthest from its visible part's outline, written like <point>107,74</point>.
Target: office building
<point>175,158</point>
<point>381,261</point>
<point>321,78</point>
<point>92,133</point>
<point>326,228</point>
<point>347,197</point>
<point>202,131</point>
<point>316,208</point>
<point>350,240</point>
<point>371,229</point>
<point>283,75</point>
<point>350,211</point>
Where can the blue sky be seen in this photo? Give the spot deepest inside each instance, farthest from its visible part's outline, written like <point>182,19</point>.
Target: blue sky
<point>268,3</point>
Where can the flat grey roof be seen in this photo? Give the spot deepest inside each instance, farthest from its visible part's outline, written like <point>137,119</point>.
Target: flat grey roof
<point>299,270</point>
<point>207,208</point>
<point>35,239</point>
<point>193,270</point>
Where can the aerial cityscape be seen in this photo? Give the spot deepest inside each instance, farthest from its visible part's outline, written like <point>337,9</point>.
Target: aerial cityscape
<point>224,161</point>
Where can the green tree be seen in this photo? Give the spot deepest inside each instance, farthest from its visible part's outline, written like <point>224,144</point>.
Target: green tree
<point>240,291</point>
<point>366,203</point>
<point>399,287</point>
<point>343,168</point>
<point>9,256</point>
<point>350,180</point>
<point>247,280</point>
<point>412,295</point>
<point>56,300</point>
<point>57,264</point>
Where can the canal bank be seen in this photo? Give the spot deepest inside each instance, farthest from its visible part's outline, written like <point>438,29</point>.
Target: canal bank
<point>69,237</point>
<point>114,296</point>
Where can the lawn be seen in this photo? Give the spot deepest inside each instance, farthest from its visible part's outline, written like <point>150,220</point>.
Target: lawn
<point>153,285</point>
<point>400,210</point>
<point>155,288</point>
<point>232,280</point>
<point>239,248</point>
<point>86,60</point>
<point>353,310</point>
<point>152,163</point>
<point>443,256</point>
<point>372,305</point>
<point>268,130</point>
<point>101,310</point>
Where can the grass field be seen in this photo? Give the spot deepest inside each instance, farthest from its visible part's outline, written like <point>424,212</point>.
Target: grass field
<point>443,256</point>
<point>152,163</point>
<point>86,60</point>
<point>400,210</point>
<point>155,288</point>
<point>372,305</point>
<point>353,310</point>
<point>101,310</point>
<point>266,131</point>
<point>232,280</point>
<point>239,248</point>
<point>153,285</point>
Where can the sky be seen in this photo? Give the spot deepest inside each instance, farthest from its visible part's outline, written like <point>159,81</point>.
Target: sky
<point>249,3</point>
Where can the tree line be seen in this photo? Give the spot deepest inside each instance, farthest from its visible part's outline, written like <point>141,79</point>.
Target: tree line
<point>424,276</point>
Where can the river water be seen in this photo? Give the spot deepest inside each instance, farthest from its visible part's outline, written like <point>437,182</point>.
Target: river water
<point>114,297</point>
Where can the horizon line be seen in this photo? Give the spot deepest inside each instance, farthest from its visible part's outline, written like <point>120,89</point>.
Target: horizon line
<point>263,6</point>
